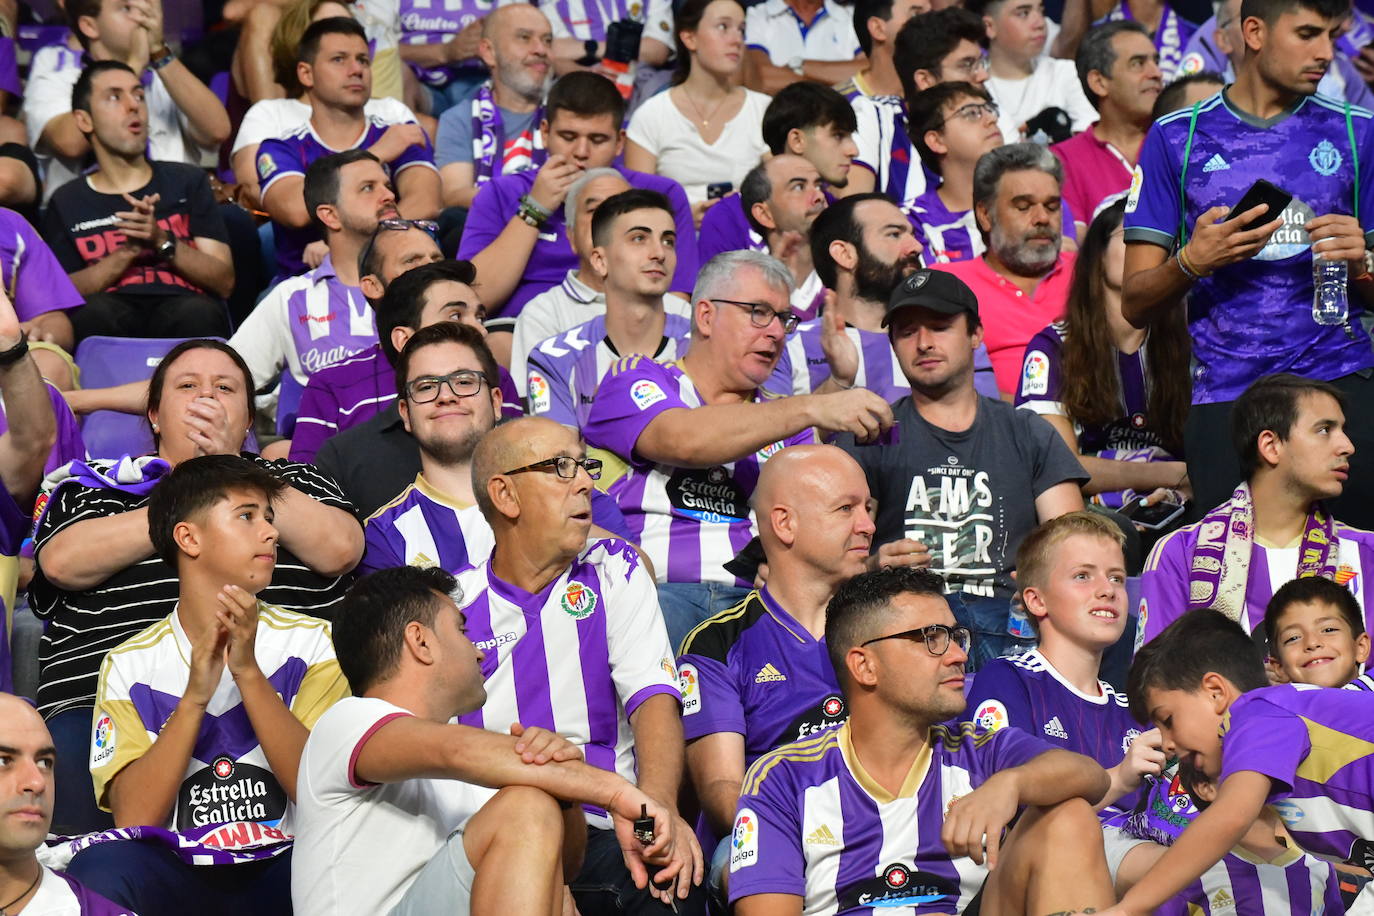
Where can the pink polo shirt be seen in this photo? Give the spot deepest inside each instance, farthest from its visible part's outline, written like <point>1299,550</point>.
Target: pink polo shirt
<point>1010,317</point>
<point>1093,171</point>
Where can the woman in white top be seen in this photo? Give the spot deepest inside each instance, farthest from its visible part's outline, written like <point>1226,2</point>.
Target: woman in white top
<point>705,130</point>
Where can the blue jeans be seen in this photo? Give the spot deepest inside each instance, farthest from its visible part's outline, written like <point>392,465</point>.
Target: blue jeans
<point>457,90</point>
<point>988,620</point>
<point>687,604</point>
<point>152,881</point>
<point>604,886</point>
<point>74,809</point>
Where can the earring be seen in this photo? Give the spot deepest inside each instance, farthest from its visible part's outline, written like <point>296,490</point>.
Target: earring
<point>155,427</point>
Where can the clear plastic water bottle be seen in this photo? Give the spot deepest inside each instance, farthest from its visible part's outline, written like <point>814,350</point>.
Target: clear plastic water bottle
<point>1329,298</point>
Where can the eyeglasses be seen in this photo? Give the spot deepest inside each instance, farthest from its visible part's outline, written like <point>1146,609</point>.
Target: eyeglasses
<point>397,225</point>
<point>973,112</point>
<point>761,315</point>
<point>564,466</point>
<point>464,384</point>
<point>971,66</point>
<point>937,637</point>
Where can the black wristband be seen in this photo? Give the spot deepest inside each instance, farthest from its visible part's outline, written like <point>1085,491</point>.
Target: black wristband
<point>15,353</point>
<point>590,57</point>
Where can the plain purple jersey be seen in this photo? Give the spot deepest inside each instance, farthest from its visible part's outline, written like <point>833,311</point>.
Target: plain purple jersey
<point>812,823</point>
<point>1314,744</point>
<point>1028,693</point>
<point>726,228</point>
<point>690,521</point>
<point>1254,317</point>
<point>496,204</point>
<point>755,671</point>
<point>291,155</point>
<point>34,279</point>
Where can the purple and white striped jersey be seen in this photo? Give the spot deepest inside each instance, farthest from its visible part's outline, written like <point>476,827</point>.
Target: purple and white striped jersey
<point>431,22</point>
<point>563,372</point>
<point>948,235</point>
<point>690,521</point>
<point>423,527</point>
<point>305,323</point>
<point>1243,884</point>
<point>879,369</point>
<point>1164,583</point>
<point>588,19</point>
<point>887,151</point>
<point>812,823</point>
<point>578,658</point>
<point>1028,693</point>
<point>1314,745</point>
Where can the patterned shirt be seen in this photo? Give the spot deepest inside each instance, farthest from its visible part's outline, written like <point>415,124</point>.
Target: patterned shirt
<point>1254,317</point>
<point>690,521</point>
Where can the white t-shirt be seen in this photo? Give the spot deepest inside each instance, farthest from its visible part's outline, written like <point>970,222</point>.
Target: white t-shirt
<point>1052,84</point>
<point>685,157</point>
<point>772,26</point>
<point>48,94</point>
<point>358,846</point>
<point>272,118</point>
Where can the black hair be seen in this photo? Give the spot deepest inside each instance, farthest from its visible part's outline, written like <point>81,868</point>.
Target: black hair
<point>74,10</point>
<point>586,95</point>
<point>1097,52</point>
<point>370,622</point>
<point>865,10</point>
<point>926,110</point>
<point>195,485</point>
<point>334,25</point>
<point>927,39</point>
<point>1269,11</point>
<point>837,223</point>
<point>1311,590</point>
<point>446,332</point>
<point>159,379</point>
<point>857,605</point>
<point>1195,645</point>
<point>81,91</point>
<point>321,184</point>
<point>1271,403</point>
<point>1171,99</point>
<point>626,202</point>
<point>403,303</point>
<point>800,106</point>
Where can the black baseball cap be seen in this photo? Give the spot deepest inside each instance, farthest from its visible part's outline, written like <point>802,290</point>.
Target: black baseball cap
<point>937,290</point>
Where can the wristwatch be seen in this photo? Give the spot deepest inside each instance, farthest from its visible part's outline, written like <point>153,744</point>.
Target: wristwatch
<point>168,249</point>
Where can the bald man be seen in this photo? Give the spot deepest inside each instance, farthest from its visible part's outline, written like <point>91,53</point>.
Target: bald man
<point>757,676</point>
<point>27,757</point>
<point>574,642</point>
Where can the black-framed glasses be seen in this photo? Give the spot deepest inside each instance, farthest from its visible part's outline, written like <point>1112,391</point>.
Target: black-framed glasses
<point>564,466</point>
<point>937,637</point>
<point>761,314</point>
<point>972,112</point>
<point>464,383</point>
<point>394,225</point>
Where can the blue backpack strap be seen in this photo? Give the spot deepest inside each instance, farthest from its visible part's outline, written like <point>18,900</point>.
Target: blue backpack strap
<point>1183,174</point>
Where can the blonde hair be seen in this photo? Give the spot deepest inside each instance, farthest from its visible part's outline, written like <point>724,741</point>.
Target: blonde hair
<point>1035,556</point>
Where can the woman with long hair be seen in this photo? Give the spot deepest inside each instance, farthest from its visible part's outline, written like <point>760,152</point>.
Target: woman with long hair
<point>706,129</point>
<point>1117,394</point>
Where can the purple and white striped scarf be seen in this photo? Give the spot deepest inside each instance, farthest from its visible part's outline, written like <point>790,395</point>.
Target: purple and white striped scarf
<point>213,844</point>
<point>488,141</point>
<point>1220,568</point>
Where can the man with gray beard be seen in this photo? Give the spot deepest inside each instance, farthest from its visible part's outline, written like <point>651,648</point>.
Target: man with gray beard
<point>1023,277</point>
<point>504,113</point>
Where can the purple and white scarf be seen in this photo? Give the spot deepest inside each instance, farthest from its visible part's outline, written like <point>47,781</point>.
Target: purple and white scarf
<point>490,157</point>
<point>1220,568</point>
<point>213,844</point>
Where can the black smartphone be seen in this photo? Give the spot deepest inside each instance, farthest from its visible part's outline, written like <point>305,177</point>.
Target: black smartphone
<point>1151,517</point>
<point>622,40</point>
<point>718,189</point>
<point>1271,195</point>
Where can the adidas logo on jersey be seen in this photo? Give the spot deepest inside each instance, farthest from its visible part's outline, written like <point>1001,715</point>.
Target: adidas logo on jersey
<point>821,836</point>
<point>768,674</point>
<point>1216,164</point>
<point>1222,901</point>
<point>1055,729</point>
<point>422,561</point>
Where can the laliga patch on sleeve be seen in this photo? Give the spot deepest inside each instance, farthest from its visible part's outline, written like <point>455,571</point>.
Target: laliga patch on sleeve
<point>266,166</point>
<point>538,388</point>
<point>688,684</point>
<point>1137,180</point>
<point>744,840</point>
<point>1140,624</point>
<point>646,394</point>
<point>991,715</point>
<point>1035,374</point>
<point>102,741</point>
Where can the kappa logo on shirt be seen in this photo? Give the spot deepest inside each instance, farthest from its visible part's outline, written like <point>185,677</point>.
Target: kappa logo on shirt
<point>821,836</point>
<point>1055,729</point>
<point>768,674</point>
